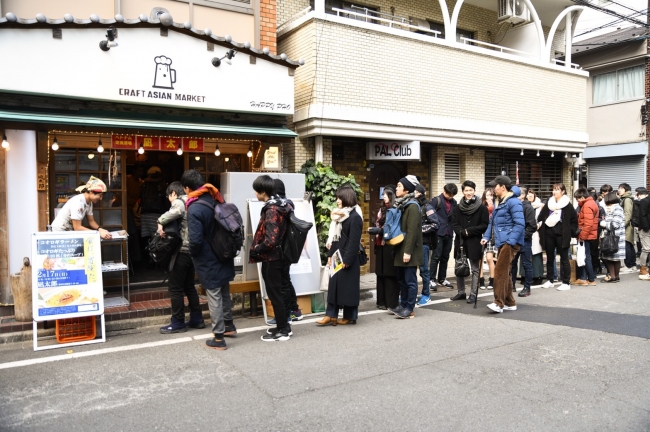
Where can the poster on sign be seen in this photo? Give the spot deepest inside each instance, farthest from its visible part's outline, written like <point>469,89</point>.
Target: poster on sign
<point>67,275</point>
<point>393,150</point>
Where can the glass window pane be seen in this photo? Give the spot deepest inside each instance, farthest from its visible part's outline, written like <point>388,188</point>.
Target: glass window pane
<point>215,164</point>
<point>86,164</point>
<point>198,165</point>
<point>65,182</point>
<point>604,90</point>
<point>111,199</point>
<point>83,178</point>
<point>111,218</point>
<point>631,83</point>
<point>116,182</point>
<point>65,160</point>
<point>105,158</point>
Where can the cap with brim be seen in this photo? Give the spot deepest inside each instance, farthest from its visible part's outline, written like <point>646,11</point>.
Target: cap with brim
<point>502,180</point>
<point>93,185</point>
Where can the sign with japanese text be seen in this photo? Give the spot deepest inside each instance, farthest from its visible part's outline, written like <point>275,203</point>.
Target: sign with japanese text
<point>193,144</point>
<point>67,275</point>
<point>123,142</point>
<point>393,150</point>
<point>169,144</point>
<point>148,142</point>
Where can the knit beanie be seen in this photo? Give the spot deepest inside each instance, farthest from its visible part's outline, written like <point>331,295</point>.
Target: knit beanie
<point>409,183</point>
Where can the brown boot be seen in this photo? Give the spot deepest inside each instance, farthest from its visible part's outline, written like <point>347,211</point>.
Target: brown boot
<point>327,321</point>
<point>643,273</point>
<point>345,321</point>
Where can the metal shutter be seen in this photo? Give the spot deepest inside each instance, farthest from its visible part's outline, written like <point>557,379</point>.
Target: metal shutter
<point>616,170</point>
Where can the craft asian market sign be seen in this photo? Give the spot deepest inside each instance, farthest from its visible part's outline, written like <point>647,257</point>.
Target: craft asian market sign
<point>132,142</point>
<point>393,150</point>
<point>145,68</point>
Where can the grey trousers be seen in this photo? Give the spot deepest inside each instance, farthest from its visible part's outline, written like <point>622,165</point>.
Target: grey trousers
<point>644,237</point>
<point>475,266</point>
<point>220,305</point>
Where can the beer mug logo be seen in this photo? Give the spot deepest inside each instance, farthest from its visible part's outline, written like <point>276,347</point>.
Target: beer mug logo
<point>165,76</point>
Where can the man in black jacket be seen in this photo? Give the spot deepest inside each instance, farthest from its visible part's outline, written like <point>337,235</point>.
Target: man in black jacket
<point>526,251</point>
<point>215,275</point>
<point>444,205</point>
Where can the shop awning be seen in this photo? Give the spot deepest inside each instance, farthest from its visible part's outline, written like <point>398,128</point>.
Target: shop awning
<point>145,124</point>
<point>615,150</point>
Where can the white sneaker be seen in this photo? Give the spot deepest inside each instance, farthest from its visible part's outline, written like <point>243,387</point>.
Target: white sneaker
<point>644,277</point>
<point>495,307</point>
<point>547,284</point>
<point>432,284</point>
<point>511,308</point>
<point>564,287</point>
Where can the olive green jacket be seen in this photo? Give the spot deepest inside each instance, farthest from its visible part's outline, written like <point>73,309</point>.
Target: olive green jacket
<point>411,225</point>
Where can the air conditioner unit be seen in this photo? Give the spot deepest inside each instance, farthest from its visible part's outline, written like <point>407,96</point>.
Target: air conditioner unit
<point>422,24</point>
<point>513,11</point>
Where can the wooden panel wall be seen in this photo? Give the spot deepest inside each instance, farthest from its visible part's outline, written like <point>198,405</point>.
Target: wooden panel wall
<point>42,147</point>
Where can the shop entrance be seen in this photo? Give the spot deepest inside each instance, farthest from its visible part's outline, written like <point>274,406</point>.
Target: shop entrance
<point>384,174</point>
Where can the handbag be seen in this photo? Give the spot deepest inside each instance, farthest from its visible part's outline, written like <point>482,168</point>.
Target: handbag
<point>609,242</point>
<point>363,257</point>
<point>553,218</point>
<point>461,268</point>
<point>580,260</point>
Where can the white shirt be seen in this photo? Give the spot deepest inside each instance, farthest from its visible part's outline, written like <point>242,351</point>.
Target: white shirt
<point>75,209</point>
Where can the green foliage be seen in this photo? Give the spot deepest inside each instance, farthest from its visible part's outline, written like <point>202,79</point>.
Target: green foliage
<point>322,181</point>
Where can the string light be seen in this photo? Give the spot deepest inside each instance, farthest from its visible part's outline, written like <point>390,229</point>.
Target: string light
<point>100,147</point>
<point>217,152</point>
<point>537,153</point>
<point>198,158</point>
<point>55,144</point>
<point>552,154</point>
<point>522,152</point>
<point>91,155</point>
<point>250,151</point>
<point>566,155</point>
<point>141,149</point>
<point>5,143</point>
<point>180,150</point>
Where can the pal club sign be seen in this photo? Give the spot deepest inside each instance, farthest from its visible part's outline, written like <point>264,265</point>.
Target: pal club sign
<point>393,150</point>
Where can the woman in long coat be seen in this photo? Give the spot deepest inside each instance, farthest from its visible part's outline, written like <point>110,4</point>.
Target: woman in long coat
<point>538,261</point>
<point>614,218</point>
<point>344,286</point>
<point>387,286</point>
<point>557,224</point>
<point>469,219</point>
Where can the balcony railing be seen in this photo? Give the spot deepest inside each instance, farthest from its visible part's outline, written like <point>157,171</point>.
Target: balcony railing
<point>375,17</point>
<point>563,63</point>
<point>503,49</point>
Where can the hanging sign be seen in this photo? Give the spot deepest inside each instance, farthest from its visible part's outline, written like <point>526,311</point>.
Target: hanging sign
<point>193,144</point>
<point>123,142</point>
<point>271,158</point>
<point>148,142</point>
<point>67,275</point>
<point>393,150</point>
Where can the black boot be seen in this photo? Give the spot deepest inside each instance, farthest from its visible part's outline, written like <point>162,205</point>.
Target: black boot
<point>491,284</point>
<point>524,292</point>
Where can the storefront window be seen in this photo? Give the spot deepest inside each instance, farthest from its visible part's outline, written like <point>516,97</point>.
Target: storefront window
<point>73,168</point>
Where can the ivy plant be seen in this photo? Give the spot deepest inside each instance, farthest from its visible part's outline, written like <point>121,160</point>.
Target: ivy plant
<point>322,181</point>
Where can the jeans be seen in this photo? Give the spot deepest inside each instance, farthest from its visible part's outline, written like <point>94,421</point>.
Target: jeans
<point>272,275</point>
<point>424,271</point>
<point>475,266</point>
<point>586,272</point>
<point>630,254</point>
<point>349,312</point>
<point>288,291</point>
<point>502,279</point>
<point>554,242</point>
<point>181,283</point>
<point>526,254</point>
<point>441,256</point>
<point>220,305</point>
<point>595,257</point>
<point>644,237</point>
<point>408,283</point>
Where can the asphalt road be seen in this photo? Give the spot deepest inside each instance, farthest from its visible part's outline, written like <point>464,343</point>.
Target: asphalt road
<point>575,360</point>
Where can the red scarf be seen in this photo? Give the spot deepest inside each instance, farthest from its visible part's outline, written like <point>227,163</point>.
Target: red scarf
<point>206,188</point>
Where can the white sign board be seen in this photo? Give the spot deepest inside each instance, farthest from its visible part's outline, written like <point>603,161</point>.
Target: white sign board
<point>66,275</point>
<point>144,68</point>
<point>305,275</point>
<point>393,150</point>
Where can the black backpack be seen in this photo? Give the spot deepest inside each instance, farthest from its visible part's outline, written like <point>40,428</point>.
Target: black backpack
<point>227,236</point>
<point>295,238</point>
<point>430,221</point>
<point>153,197</point>
<point>636,213</point>
<point>163,249</point>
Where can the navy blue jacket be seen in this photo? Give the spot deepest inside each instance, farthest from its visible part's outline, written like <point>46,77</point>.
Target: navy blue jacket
<point>508,221</point>
<point>438,203</point>
<point>212,272</point>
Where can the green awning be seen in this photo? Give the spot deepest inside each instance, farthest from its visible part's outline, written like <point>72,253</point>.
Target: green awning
<point>103,121</point>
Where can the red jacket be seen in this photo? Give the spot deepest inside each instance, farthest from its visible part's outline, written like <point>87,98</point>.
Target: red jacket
<point>588,219</point>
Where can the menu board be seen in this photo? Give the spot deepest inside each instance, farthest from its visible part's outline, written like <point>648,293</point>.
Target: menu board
<point>67,275</point>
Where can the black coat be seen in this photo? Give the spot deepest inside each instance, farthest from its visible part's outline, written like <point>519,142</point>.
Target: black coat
<point>444,218</point>
<point>645,213</point>
<point>212,272</point>
<point>569,226</point>
<point>344,286</point>
<point>475,225</point>
<point>531,222</point>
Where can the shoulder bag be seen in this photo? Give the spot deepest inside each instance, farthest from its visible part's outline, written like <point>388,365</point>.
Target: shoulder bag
<point>461,268</point>
<point>609,242</point>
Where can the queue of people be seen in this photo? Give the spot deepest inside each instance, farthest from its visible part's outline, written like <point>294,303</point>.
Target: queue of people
<point>507,224</point>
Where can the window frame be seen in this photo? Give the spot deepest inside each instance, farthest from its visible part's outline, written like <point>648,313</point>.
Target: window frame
<point>617,101</point>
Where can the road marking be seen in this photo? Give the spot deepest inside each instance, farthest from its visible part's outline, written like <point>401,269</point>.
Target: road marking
<point>92,353</point>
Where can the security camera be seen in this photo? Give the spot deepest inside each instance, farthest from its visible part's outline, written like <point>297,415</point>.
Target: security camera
<point>110,42</point>
<point>216,62</point>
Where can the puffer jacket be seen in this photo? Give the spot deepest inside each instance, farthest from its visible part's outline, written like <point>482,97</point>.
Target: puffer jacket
<point>267,241</point>
<point>507,222</point>
<point>588,219</point>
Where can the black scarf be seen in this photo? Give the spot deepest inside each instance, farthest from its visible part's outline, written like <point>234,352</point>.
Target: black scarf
<point>469,207</point>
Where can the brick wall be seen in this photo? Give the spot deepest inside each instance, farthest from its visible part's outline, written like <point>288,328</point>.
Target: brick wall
<point>268,24</point>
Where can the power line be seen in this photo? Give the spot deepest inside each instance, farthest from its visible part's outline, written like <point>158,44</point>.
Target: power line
<point>611,12</point>
<point>615,22</point>
<point>640,37</point>
<point>624,6</point>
